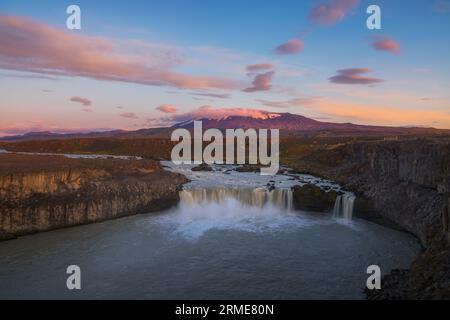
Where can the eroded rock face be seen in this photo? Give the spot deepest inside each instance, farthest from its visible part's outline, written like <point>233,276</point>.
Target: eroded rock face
<point>312,198</point>
<point>407,182</point>
<point>23,185</point>
<point>446,221</point>
<point>73,192</point>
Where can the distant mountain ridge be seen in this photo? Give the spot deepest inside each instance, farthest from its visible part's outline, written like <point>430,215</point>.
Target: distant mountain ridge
<point>292,124</point>
<point>283,121</point>
<point>288,123</point>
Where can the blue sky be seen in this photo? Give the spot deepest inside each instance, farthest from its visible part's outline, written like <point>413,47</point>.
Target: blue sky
<point>219,40</point>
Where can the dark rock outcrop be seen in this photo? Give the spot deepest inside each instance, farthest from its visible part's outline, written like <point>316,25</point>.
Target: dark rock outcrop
<point>407,182</point>
<point>248,168</point>
<point>312,198</point>
<point>202,167</point>
<point>44,193</point>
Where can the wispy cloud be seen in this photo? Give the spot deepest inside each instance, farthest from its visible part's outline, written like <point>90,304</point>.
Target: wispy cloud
<point>331,12</point>
<point>129,115</point>
<point>158,122</point>
<point>22,127</point>
<point>28,76</point>
<point>211,95</point>
<point>331,109</point>
<point>382,43</point>
<point>167,108</point>
<point>41,126</point>
<point>296,102</point>
<point>337,110</point>
<point>39,48</point>
<point>354,76</point>
<point>341,110</point>
<point>261,82</point>
<point>293,46</point>
<point>260,67</point>
<point>441,6</point>
<point>209,112</point>
<point>83,101</point>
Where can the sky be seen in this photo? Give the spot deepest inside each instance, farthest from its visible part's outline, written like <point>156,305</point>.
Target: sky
<point>139,64</point>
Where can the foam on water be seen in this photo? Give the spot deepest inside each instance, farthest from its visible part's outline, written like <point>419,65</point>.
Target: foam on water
<point>227,177</point>
<point>225,199</point>
<point>193,220</point>
<point>232,235</point>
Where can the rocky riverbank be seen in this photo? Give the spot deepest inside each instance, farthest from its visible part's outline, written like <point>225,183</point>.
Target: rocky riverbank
<point>41,193</point>
<point>408,183</point>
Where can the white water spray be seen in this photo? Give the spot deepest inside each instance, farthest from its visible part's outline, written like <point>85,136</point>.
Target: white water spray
<point>251,210</point>
<point>343,207</point>
<point>259,197</point>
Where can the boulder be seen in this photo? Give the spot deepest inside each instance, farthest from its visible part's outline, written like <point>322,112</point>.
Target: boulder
<point>248,168</point>
<point>202,167</point>
<point>312,198</point>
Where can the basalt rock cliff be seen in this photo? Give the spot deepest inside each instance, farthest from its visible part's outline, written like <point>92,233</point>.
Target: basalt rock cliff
<point>407,183</point>
<point>40,193</point>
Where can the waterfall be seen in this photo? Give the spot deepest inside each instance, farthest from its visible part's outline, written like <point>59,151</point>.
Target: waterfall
<point>343,207</point>
<point>281,198</point>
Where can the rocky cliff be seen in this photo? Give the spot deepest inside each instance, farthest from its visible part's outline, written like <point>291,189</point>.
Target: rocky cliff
<point>40,193</point>
<point>407,182</point>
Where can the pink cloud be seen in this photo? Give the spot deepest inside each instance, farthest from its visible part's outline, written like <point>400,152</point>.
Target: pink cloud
<point>261,82</point>
<point>386,44</point>
<point>293,46</point>
<point>39,48</point>
<point>341,110</point>
<point>353,76</point>
<point>260,67</point>
<point>167,108</point>
<point>129,115</point>
<point>87,110</point>
<point>296,102</point>
<point>83,101</point>
<point>21,128</point>
<point>209,112</point>
<point>331,12</point>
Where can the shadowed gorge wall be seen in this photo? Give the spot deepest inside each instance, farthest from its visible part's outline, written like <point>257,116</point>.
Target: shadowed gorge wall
<point>42,193</point>
<point>407,182</point>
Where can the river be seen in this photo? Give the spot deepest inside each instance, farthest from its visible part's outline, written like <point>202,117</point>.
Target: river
<point>233,236</point>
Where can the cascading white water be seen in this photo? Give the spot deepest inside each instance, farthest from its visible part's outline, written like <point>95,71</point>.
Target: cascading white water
<point>259,197</point>
<point>246,209</point>
<point>343,207</point>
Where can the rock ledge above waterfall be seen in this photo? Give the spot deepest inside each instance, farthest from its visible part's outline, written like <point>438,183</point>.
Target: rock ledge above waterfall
<point>313,198</point>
